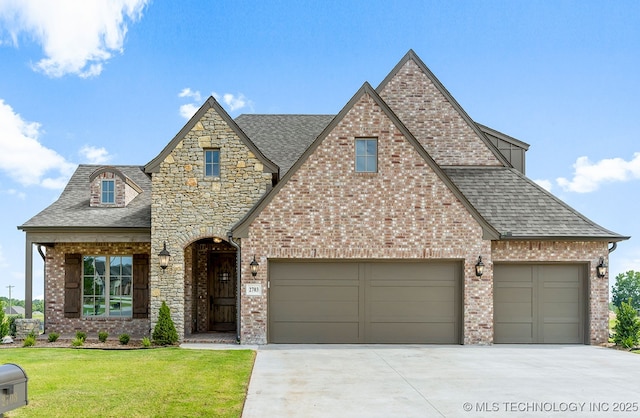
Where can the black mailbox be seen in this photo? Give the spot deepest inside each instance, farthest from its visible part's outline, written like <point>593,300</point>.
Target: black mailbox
<point>13,387</point>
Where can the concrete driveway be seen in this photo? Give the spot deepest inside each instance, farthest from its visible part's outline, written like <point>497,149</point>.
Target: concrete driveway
<point>437,381</point>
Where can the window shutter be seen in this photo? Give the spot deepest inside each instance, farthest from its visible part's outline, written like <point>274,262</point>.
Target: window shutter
<point>140,286</point>
<point>72,285</point>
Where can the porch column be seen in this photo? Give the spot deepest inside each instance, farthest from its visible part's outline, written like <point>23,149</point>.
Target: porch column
<point>28,278</point>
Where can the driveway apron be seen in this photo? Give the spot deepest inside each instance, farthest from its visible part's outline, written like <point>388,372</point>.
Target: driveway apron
<point>442,381</point>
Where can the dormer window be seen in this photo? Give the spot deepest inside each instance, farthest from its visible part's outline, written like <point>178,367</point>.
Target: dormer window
<point>110,188</point>
<point>108,192</point>
<point>212,163</point>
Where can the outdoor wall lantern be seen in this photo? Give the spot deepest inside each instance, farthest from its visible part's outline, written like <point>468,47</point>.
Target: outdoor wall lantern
<point>602,268</point>
<point>479,267</point>
<point>254,266</point>
<point>164,256</point>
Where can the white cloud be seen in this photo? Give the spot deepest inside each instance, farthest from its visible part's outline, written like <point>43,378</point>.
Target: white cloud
<point>231,102</point>
<point>234,102</point>
<point>94,155</point>
<point>188,110</point>
<point>77,37</point>
<point>187,92</point>
<point>13,192</point>
<point>588,176</point>
<point>23,158</point>
<point>545,184</point>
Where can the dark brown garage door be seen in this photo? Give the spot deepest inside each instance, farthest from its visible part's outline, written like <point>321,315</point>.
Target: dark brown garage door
<point>539,303</point>
<point>364,302</point>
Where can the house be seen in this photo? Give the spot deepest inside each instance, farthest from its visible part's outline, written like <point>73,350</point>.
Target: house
<point>14,310</point>
<point>398,220</point>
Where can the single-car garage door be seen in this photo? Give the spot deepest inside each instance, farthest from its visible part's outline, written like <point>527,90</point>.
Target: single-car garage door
<point>365,302</point>
<point>539,303</point>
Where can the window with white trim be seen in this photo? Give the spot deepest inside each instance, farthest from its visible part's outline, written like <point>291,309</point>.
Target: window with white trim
<point>366,155</point>
<point>108,192</point>
<point>107,285</point>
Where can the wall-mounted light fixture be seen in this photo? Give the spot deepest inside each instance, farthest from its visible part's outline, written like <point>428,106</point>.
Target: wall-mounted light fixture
<point>217,240</point>
<point>164,256</point>
<point>601,268</point>
<point>254,266</point>
<point>479,267</point>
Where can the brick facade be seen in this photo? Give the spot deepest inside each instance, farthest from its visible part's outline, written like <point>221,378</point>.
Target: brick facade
<point>186,207</point>
<point>573,252</point>
<point>123,192</point>
<point>54,291</point>
<point>404,211</point>
<point>433,120</point>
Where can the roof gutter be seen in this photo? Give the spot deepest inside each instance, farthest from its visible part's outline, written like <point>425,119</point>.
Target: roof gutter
<point>614,245</point>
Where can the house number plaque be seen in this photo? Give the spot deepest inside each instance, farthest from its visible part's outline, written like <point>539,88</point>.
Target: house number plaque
<point>253,290</point>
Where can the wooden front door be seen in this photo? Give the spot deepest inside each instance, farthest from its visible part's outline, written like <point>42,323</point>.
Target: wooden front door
<point>222,291</point>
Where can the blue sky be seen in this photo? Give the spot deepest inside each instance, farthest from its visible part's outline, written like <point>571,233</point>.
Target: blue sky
<point>111,82</point>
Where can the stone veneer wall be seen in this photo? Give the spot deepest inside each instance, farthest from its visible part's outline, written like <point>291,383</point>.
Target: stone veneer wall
<point>434,122</point>
<point>404,211</point>
<point>54,291</point>
<point>567,251</point>
<point>186,206</point>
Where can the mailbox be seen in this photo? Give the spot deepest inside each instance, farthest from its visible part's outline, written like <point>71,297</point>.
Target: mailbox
<point>13,387</point>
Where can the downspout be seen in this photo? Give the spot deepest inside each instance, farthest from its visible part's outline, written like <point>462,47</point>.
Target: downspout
<point>44,276</point>
<point>238,286</point>
<point>613,248</point>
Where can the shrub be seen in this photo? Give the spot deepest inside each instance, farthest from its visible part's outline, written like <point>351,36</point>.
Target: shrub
<point>102,336</point>
<point>12,324</point>
<point>164,333</point>
<point>77,342</point>
<point>627,326</point>
<point>53,337</point>
<point>81,336</point>
<point>124,339</point>
<point>146,342</point>
<point>30,340</point>
<point>4,324</point>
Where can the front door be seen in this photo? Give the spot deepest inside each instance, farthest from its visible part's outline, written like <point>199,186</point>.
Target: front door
<point>222,291</point>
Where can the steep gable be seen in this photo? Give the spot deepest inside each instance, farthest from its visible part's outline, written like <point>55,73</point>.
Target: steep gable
<point>195,124</point>
<point>323,188</point>
<point>435,118</point>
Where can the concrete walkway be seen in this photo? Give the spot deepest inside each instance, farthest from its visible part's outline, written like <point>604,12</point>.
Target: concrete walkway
<point>437,381</point>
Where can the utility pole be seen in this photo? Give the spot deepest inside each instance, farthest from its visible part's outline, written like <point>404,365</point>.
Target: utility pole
<point>10,287</point>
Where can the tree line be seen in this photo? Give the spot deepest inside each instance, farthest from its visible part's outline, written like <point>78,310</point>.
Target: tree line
<point>37,304</point>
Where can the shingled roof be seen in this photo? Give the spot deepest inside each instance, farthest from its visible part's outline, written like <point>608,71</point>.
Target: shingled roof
<point>520,209</point>
<point>72,207</point>
<point>283,138</point>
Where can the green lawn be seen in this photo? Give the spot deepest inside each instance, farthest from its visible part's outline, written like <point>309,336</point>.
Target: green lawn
<point>164,382</point>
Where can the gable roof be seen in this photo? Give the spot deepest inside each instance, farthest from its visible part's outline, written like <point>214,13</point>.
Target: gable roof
<point>520,209</point>
<point>411,56</point>
<point>112,169</point>
<point>72,210</point>
<point>211,103</point>
<point>283,138</point>
<point>241,227</point>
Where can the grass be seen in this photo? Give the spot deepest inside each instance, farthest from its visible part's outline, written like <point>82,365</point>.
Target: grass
<point>167,382</point>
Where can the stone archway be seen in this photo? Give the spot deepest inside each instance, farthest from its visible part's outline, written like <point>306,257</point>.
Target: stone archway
<point>210,286</point>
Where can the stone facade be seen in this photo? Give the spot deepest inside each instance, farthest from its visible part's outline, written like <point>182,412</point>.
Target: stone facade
<point>187,206</point>
<point>433,120</point>
<point>573,252</point>
<point>54,291</point>
<point>404,211</point>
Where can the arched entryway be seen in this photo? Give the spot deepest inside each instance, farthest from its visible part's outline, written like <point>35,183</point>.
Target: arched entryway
<point>210,286</point>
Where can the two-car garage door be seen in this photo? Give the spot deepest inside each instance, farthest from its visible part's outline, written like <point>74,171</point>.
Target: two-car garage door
<point>365,302</point>
<point>539,303</point>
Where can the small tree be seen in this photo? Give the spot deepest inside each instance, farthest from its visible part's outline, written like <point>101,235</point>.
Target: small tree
<point>4,324</point>
<point>627,287</point>
<point>164,333</point>
<point>627,326</point>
